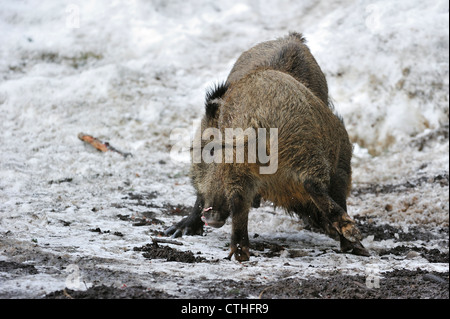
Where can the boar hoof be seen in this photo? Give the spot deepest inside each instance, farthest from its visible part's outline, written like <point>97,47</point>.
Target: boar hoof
<point>240,253</point>
<point>350,232</point>
<point>355,248</point>
<point>348,229</point>
<point>185,227</point>
<point>360,251</point>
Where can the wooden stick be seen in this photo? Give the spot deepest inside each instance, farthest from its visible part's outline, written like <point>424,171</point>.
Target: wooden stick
<point>93,141</point>
<point>165,241</point>
<point>101,146</point>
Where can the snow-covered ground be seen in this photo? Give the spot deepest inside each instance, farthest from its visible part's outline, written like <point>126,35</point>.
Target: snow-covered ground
<point>131,72</point>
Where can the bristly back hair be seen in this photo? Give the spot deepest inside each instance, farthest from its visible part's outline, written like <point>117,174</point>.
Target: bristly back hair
<point>212,94</point>
<point>297,35</point>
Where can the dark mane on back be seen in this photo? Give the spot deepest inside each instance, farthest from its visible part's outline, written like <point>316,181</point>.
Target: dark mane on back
<point>212,94</point>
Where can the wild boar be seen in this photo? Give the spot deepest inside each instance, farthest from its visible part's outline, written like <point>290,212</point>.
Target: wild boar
<point>276,85</point>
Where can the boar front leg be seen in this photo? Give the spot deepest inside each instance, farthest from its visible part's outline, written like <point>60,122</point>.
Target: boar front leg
<point>239,231</point>
<point>191,225</point>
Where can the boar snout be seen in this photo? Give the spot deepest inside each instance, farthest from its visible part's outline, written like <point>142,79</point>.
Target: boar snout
<point>213,218</point>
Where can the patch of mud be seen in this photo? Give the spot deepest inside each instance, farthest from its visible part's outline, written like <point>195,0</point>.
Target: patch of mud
<point>137,199</point>
<point>155,251</point>
<point>140,197</point>
<point>12,267</point>
<point>415,284</point>
<point>441,179</point>
<point>266,249</point>
<point>140,209</point>
<point>133,200</point>
<point>368,227</point>
<point>440,134</point>
<point>432,255</point>
<point>178,210</point>
<point>270,249</point>
<point>98,230</point>
<point>109,292</point>
<point>146,199</point>
<point>146,218</point>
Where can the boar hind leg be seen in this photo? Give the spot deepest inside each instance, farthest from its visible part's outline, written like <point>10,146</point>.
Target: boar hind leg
<point>338,218</point>
<point>191,225</point>
<point>315,218</point>
<point>338,190</point>
<point>239,246</point>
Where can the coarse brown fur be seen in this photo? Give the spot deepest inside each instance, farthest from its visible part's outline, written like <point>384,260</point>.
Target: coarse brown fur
<point>290,55</point>
<point>276,84</point>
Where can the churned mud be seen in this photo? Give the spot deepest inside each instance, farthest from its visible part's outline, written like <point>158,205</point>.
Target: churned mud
<point>109,292</point>
<point>155,251</point>
<point>395,284</point>
<point>310,266</point>
<point>398,283</point>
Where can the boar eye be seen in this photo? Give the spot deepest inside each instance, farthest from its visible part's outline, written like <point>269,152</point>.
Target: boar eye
<point>211,152</point>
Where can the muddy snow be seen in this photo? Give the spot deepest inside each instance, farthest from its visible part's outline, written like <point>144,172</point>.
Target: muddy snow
<point>79,223</point>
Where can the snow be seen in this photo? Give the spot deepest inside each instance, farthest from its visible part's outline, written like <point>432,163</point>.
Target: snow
<point>131,72</point>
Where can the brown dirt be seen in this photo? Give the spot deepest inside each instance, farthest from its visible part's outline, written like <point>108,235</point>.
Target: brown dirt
<point>398,284</point>
<point>109,292</point>
<point>155,251</point>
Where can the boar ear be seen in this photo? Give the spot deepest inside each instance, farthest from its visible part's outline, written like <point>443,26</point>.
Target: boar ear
<point>212,98</point>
